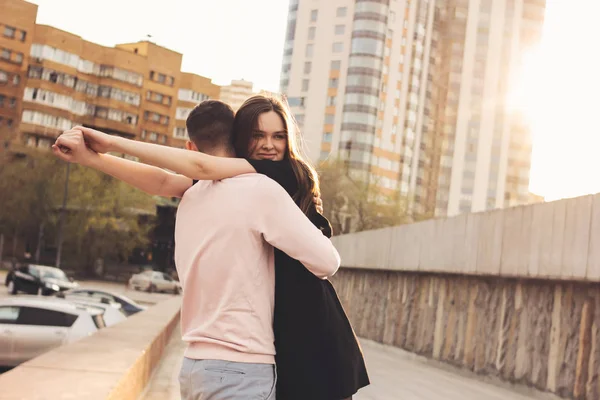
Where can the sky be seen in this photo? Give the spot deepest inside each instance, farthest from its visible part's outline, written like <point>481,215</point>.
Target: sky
<point>558,89</point>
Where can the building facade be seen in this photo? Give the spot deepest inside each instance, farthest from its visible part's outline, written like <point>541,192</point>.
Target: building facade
<point>51,80</point>
<point>412,95</point>
<point>236,93</point>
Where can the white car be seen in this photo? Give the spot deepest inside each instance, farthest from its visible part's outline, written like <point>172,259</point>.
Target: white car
<point>111,313</point>
<point>31,326</point>
<point>154,281</point>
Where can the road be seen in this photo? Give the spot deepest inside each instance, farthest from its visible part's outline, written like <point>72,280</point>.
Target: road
<point>140,297</point>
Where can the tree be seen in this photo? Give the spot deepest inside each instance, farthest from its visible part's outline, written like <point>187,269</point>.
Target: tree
<point>102,214</point>
<point>354,206</point>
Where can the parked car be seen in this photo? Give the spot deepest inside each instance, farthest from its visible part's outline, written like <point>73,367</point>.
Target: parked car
<point>31,326</point>
<point>154,281</point>
<point>38,279</point>
<point>127,306</point>
<point>112,315</point>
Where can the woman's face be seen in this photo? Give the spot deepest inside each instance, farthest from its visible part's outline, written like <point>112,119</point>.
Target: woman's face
<point>269,140</point>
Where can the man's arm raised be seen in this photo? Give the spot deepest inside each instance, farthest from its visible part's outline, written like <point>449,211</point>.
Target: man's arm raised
<point>71,147</point>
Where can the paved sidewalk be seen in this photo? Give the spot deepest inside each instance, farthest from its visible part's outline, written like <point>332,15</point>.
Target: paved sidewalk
<point>395,375</point>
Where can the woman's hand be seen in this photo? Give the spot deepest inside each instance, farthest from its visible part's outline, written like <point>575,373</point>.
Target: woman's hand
<point>318,204</point>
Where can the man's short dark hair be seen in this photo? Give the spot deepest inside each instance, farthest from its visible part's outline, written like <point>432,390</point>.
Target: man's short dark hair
<point>210,126</point>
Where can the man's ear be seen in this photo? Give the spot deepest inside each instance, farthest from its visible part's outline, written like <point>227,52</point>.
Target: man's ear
<point>191,145</point>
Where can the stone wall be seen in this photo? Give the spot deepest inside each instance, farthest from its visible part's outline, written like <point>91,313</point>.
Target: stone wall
<point>511,294</point>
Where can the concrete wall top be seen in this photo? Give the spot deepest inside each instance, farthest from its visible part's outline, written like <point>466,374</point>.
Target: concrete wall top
<point>114,363</point>
<point>556,240</point>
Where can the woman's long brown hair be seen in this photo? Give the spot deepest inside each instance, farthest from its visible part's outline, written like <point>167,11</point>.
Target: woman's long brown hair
<point>246,121</point>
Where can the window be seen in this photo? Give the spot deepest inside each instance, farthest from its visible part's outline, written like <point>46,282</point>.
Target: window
<point>19,58</point>
<point>335,65</point>
<point>305,83</point>
<point>13,102</point>
<point>162,78</point>
<point>307,67</point>
<point>333,82</point>
<point>171,81</point>
<point>329,119</point>
<point>299,119</point>
<point>341,12</point>
<point>338,47</point>
<point>180,133</point>
<point>16,80</point>
<point>340,29</point>
<point>309,50</point>
<point>5,55</point>
<point>2,100</point>
<point>9,315</point>
<point>153,136</point>
<point>311,33</point>
<point>314,14</point>
<point>331,100</point>
<point>327,136</point>
<point>152,73</point>
<point>40,316</point>
<point>9,32</point>
<point>23,36</point>
<point>3,77</point>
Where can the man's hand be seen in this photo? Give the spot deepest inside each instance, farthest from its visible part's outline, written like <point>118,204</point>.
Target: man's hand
<point>318,204</point>
<point>70,146</point>
<point>98,141</point>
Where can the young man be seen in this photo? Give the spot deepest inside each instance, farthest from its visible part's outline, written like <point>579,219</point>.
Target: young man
<point>225,233</point>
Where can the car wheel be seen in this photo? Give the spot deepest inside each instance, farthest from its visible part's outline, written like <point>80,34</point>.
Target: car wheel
<point>12,288</point>
<point>151,288</point>
<point>40,291</point>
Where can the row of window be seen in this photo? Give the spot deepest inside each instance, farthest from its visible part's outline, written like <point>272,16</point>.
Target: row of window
<point>336,47</point>
<point>159,98</point>
<point>156,118</point>
<point>340,12</point>
<point>5,78</point>
<point>337,30</point>
<point>162,78</point>
<point>191,96</point>
<point>180,133</point>
<point>154,137</point>
<point>91,89</point>
<point>14,33</point>
<point>11,56</point>
<point>45,52</point>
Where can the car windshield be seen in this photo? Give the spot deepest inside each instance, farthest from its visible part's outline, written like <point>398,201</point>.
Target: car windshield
<point>53,273</point>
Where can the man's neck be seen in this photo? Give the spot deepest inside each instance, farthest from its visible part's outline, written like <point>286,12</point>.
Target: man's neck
<point>221,153</point>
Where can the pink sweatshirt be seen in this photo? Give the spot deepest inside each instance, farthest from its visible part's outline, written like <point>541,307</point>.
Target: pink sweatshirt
<point>224,237</point>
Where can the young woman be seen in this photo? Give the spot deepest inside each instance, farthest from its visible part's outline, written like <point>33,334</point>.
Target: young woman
<point>318,355</point>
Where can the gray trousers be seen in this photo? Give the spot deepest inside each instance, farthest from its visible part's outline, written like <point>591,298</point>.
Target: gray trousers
<point>224,380</point>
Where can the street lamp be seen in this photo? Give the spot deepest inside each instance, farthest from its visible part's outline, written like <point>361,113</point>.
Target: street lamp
<point>61,222</point>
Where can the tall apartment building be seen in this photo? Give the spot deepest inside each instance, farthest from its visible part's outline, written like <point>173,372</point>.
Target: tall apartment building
<point>236,93</point>
<point>51,80</point>
<point>412,95</point>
